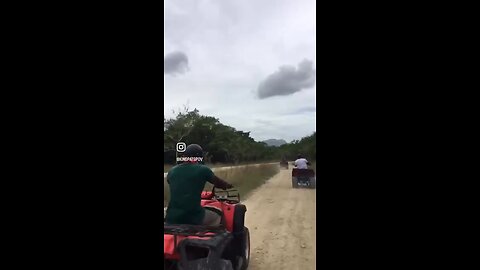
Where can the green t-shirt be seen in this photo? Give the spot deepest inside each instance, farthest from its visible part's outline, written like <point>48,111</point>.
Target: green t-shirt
<point>186,185</point>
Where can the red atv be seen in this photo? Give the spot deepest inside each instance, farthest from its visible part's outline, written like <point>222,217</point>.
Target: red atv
<point>223,247</point>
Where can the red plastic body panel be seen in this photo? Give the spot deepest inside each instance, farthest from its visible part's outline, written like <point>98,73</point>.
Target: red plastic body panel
<point>169,245</point>
<point>207,195</point>
<point>228,210</point>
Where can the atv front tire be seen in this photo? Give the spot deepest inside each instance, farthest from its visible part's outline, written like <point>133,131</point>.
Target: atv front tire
<point>241,242</point>
<point>244,259</point>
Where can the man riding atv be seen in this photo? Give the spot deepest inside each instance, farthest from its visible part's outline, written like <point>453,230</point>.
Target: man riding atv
<point>186,182</point>
<point>302,176</point>
<point>301,162</point>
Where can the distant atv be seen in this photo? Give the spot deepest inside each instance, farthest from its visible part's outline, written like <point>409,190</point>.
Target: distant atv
<point>303,178</point>
<point>284,164</point>
<point>223,247</point>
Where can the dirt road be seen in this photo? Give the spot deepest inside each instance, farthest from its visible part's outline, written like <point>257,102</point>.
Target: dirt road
<point>282,225</point>
<point>216,169</point>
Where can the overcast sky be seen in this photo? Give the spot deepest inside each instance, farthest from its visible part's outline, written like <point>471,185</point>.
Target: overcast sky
<point>249,63</point>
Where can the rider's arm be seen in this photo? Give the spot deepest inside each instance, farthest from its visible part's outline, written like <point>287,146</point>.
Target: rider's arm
<point>220,183</point>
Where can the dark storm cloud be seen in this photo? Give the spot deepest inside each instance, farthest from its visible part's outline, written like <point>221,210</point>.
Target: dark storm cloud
<point>175,63</point>
<point>288,80</point>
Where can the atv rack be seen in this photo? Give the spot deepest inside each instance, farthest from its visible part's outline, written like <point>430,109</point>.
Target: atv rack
<point>229,192</point>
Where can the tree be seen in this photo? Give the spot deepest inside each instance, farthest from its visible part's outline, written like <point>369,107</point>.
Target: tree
<point>225,144</point>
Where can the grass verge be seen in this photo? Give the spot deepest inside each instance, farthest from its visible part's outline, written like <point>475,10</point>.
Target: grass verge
<point>167,167</point>
<point>245,179</point>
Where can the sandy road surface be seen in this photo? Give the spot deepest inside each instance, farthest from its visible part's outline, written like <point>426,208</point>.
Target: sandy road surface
<point>231,167</point>
<point>282,225</point>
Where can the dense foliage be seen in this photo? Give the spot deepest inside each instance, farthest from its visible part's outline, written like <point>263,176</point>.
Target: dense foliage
<point>225,144</point>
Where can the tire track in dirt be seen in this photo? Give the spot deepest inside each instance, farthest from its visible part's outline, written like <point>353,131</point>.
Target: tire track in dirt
<point>282,223</point>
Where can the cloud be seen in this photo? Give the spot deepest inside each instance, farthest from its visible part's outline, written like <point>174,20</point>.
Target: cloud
<point>229,54</point>
<point>175,63</point>
<point>288,80</point>
<point>304,110</point>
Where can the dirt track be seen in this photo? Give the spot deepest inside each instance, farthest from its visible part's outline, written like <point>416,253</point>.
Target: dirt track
<point>231,167</point>
<point>282,225</point>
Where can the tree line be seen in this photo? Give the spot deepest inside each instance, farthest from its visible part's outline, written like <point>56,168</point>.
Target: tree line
<point>225,144</point>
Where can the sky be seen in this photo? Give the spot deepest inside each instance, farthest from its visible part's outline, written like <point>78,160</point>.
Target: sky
<point>249,63</point>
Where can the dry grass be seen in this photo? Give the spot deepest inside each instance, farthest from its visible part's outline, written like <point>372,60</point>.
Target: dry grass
<point>167,167</point>
<point>245,179</point>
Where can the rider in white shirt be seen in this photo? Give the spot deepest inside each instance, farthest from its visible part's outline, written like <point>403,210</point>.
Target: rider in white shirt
<point>301,162</point>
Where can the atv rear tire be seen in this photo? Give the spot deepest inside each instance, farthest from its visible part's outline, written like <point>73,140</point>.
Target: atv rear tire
<point>241,241</point>
<point>243,259</point>
<point>168,265</point>
<point>294,182</point>
<point>313,182</point>
<point>246,250</point>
